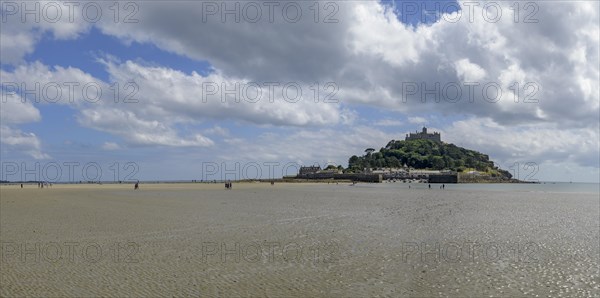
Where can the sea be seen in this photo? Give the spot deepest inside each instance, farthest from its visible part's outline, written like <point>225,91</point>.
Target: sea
<point>554,187</point>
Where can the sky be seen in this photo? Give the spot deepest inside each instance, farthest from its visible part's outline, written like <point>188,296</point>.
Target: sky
<point>166,90</point>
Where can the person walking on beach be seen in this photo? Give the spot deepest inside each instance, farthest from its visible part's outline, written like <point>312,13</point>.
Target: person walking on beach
<point>137,185</point>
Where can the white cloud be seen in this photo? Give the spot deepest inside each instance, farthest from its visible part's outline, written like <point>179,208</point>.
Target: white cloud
<point>372,53</point>
<point>369,54</point>
<point>20,141</point>
<point>138,131</point>
<point>378,32</point>
<point>170,92</point>
<point>469,72</point>
<point>20,33</point>
<point>110,146</point>
<point>21,44</point>
<point>217,130</point>
<point>417,120</point>
<point>488,53</point>
<point>388,122</point>
<point>14,111</point>
<point>529,143</point>
<point>167,98</point>
<point>57,84</point>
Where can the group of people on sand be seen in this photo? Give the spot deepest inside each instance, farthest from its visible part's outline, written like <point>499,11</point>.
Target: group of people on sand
<point>443,186</point>
<point>228,185</point>
<point>41,184</point>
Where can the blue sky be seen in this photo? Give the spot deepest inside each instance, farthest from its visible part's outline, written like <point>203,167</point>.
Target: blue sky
<point>368,59</point>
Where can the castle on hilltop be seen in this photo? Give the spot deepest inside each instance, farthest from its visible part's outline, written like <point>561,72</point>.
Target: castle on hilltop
<point>424,135</point>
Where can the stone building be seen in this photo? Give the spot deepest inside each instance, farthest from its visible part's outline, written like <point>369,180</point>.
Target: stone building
<point>424,135</point>
<point>309,170</point>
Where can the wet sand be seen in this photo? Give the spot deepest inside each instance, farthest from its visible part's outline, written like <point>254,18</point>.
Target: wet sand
<point>296,240</point>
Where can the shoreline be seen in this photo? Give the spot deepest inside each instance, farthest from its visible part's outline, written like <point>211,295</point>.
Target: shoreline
<point>289,181</point>
<point>562,187</point>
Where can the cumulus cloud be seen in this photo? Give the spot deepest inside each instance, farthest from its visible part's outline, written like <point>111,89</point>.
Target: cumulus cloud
<point>469,72</point>
<point>484,52</point>
<point>21,32</point>
<point>388,122</point>
<point>162,98</point>
<point>14,110</point>
<point>273,48</point>
<point>531,143</point>
<point>172,93</point>
<point>372,56</point>
<point>20,45</point>
<point>370,53</point>
<point>110,146</point>
<point>22,141</point>
<point>56,84</point>
<point>217,130</point>
<point>131,128</point>
<point>417,120</point>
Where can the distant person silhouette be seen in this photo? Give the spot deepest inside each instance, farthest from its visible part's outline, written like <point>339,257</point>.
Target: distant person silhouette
<point>429,186</point>
<point>136,186</point>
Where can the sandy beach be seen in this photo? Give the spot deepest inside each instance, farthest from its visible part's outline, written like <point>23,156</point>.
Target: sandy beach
<point>301,240</point>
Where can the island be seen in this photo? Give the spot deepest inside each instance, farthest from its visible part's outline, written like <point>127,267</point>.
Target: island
<point>420,157</point>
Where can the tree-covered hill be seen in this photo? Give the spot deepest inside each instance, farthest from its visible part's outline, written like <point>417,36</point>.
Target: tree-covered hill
<point>425,154</point>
